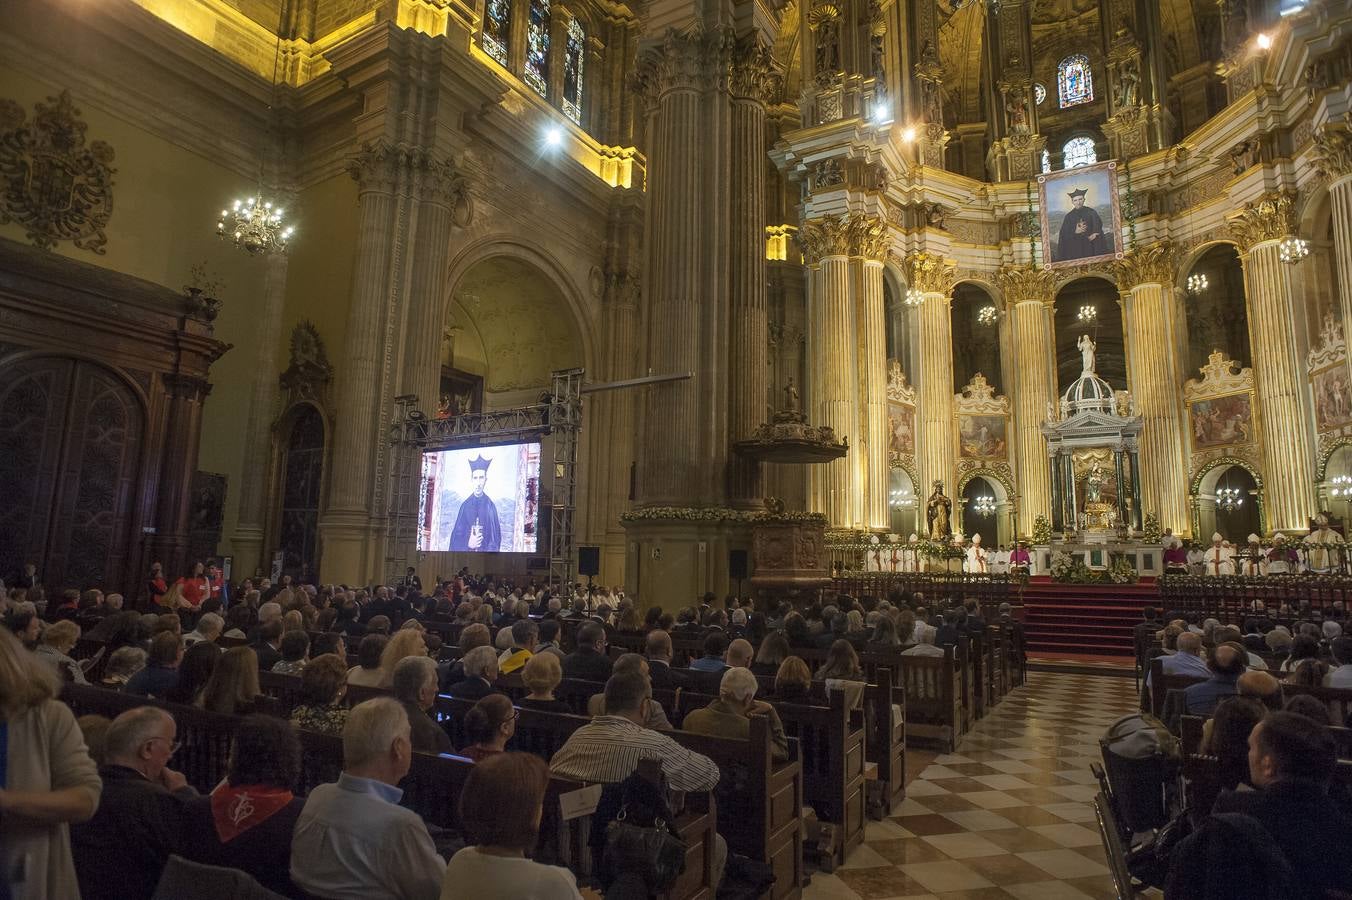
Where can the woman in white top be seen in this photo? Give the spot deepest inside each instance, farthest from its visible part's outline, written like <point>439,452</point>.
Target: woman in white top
<point>500,808</point>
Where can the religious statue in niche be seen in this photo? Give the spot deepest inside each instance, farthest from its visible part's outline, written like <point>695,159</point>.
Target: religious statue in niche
<point>1128,82</point>
<point>931,101</point>
<point>791,398</point>
<point>937,511</point>
<point>1016,107</point>
<point>1093,485</point>
<point>1086,347</point>
<point>828,45</point>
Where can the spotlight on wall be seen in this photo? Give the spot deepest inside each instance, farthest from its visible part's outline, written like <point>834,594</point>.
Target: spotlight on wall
<point>909,134</point>
<point>1264,41</point>
<point>553,136</point>
<point>882,112</point>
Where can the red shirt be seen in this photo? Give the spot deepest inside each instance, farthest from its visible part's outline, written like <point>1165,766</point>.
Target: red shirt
<point>195,589</point>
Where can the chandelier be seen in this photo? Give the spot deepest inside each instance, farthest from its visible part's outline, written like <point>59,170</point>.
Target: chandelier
<point>902,499</point>
<point>1197,282</point>
<point>254,225</point>
<point>988,315</point>
<point>984,506</point>
<point>1293,249</point>
<point>1088,314</point>
<point>1229,498</point>
<point>1342,487</point>
<point>914,297</point>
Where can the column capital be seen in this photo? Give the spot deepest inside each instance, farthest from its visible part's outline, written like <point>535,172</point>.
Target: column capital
<point>1154,263</point>
<point>378,166</point>
<point>681,61</point>
<point>1333,151</point>
<point>930,273</point>
<point>827,236</point>
<point>868,237</point>
<point>752,72</point>
<point>1024,284</point>
<point>1270,218</point>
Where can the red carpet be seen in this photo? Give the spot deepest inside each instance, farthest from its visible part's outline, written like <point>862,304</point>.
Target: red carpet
<point>1084,619</point>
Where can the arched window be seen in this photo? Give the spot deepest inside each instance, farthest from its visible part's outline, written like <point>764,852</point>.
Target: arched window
<point>1078,151</point>
<point>537,47</point>
<point>574,55</point>
<point>497,29</point>
<point>1074,83</point>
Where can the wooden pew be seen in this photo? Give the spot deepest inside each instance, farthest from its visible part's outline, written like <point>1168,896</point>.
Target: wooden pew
<point>1161,684</point>
<point>932,686</point>
<point>1338,700</point>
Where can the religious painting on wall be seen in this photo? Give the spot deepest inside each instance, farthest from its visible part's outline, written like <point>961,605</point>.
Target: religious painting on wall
<point>982,437</point>
<point>1332,398</point>
<point>901,429</point>
<point>1221,421</point>
<point>1081,220</point>
<point>461,393</point>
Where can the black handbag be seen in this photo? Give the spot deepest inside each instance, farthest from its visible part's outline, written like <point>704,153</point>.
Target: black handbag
<point>653,852</point>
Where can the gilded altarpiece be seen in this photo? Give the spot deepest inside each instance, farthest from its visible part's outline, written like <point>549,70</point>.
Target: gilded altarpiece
<point>1330,387</point>
<point>1223,426</point>
<point>900,420</point>
<point>981,426</point>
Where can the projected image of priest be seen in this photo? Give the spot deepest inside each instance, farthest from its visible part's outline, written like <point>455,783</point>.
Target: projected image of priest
<point>1081,231</point>
<point>476,525</point>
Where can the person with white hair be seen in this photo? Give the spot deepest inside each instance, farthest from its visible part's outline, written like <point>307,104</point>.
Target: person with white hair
<point>209,627</point>
<point>481,670</point>
<point>1175,557</point>
<point>415,685</point>
<point>1220,558</point>
<point>353,841</point>
<point>730,715</point>
<point>978,561</point>
<point>1325,552</point>
<point>924,642</point>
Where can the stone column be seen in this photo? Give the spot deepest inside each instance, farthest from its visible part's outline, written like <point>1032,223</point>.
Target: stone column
<point>437,187</point>
<point>346,527</point>
<point>753,83</point>
<point>1029,294</point>
<point>933,277</point>
<point>1286,428</point>
<point>1333,156</point>
<point>247,540</point>
<point>1145,278</point>
<point>833,387</point>
<point>870,242</point>
<point>183,437</point>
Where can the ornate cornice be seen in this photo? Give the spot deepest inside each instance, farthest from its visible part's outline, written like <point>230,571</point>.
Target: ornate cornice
<point>1272,218</point>
<point>1022,284</point>
<point>930,273</point>
<point>1153,263</point>
<point>853,235</point>
<point>1333,151</point>
<point>391,166</point>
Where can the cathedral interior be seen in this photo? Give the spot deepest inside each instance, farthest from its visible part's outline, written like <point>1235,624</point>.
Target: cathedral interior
<point>904,220</point>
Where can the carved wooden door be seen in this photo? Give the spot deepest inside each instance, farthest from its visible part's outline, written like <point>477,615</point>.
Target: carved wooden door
<point>70,446</point>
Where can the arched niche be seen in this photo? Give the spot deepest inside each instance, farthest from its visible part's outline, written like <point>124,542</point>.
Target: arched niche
<point>302,442</point>
<point>901,330</point>
<point>1228,498</point>
<point>903,502</point>
<point>1315,281</point>
<point>996,526</point>
<point>976,345</point>
<point>1106,330</point>
<point>1215,310</point>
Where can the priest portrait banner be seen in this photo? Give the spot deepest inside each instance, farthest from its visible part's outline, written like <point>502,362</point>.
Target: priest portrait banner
<point>1081,220</point>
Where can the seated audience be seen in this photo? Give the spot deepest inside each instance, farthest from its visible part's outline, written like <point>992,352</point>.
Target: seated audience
<point>323,685</point>
<point>549,637</point>
<point>161,671</point>
<point>295,649</point>
<point>247,821</point>
<point>1227,664</point>
<point>712,661</point>
<point>328,643</point>
<point>589,661</point>
<point>267,648</point>
<point>1309,673</point>
<point>54,649</point>
<point>232,688</point>
<point>1226,737</point>
<point>924,642</point>
<point>415,686</point>
<point>657,647</point>
<point>209,627</point>
<point>199,661</point>
<point>542,675</point>
<point>481,671</point>
<point>406,642</point>
<point>1341,677</point>
<point>740,654</point>
<point>1187,658</point>
<point>1303,647</point>
<point>500,809</point>
<point>729,715</point>
<point>367,671</point>
<point>525,634</point>
<point>48,779</point>
<point>122,665</point>
<point>120,852</point>
<point>1310,707</point>
<point>489,725</point>
<point>353,841</point>
<point>773,650</point>
<point>793,681</point>
<point>1262,687</point>
<point>94,729</point>
<point>655,715</point>
<point>842,663</point>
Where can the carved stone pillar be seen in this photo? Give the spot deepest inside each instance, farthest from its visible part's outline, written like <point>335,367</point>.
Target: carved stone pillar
<point>753,84</point>
<point>933,277</point>
<point>1029,294</point>
<point>183,437</point>
<point>869,243</point>
<point>1146,277</point>
<point>1287,432</point>
<point>247,540</point>
<point>1333,156</point>
<point>346,527</point>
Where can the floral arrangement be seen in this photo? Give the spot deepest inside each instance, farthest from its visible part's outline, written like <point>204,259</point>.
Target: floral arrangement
<point>1121,571</point>
<point>1151,532</point>
<point>1042,530</point>
<point>1067,568</point>
<point>1070,570</point>
<point>719,514</point>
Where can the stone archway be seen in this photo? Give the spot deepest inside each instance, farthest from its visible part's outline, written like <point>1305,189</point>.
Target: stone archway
<point>1211,512</point>
<point>985,483</point>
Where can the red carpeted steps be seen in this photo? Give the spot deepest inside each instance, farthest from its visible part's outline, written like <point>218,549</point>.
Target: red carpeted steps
<point>1084,618</point>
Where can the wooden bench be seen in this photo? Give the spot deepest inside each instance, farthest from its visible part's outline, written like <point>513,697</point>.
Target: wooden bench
<point>1161,684</point>
<point>932,687</point>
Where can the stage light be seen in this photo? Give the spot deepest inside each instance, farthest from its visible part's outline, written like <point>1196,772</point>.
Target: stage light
<point>882,112</point>
<point>908,135</point>
<point>1264,41</point>
<point>553,136</point>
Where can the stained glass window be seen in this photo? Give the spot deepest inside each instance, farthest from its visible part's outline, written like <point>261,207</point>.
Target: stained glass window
<point>572,70</point>
<point>497,29</point>
<point>537,47</point>
<point>1046,162</point>
<point>1039,93</point>
<point>1073,81</point>
<point>1078,151</point>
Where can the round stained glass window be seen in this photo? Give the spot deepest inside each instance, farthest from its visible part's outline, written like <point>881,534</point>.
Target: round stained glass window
<point>1039,94</point>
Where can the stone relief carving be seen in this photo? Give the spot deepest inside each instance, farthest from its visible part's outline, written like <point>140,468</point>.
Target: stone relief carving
<point>1270,218</point>
<point>309,374</point>
<point>1221,375</point>
<point>51,182</point>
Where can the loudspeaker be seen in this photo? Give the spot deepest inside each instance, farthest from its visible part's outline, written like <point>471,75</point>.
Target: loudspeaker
<point>736,564</point>
<point>589,561</point>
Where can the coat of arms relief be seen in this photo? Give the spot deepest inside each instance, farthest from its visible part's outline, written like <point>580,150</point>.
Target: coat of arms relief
<point>53,183</point>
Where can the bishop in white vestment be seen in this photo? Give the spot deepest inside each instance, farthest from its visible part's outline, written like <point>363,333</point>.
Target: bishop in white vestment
<point>1220,557</point>
<point>978,562</point>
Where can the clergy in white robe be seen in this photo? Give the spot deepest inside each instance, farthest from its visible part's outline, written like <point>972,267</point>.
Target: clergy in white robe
<point>1196,561</point>
<point>1282,559</point>
<point>1220,557</point>
<point>1252,560</point>
<point>1324,548</point>
<point>910,554</point>
<point>978,560</point>
<point>1000,561</point>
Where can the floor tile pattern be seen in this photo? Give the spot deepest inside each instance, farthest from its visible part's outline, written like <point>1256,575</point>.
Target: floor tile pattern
<point>1008,814</point>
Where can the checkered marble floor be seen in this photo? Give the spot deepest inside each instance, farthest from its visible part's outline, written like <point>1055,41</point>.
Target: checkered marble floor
<point>1009,814</point>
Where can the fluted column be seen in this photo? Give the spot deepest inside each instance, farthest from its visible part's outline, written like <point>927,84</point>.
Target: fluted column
<point>1146,278</point>
<point>346,526</point>
<point>1286,430</point>
<point>247,540</point>
<point>185,395</point>
<point>873,381</point>
<point>833,387</point>
<point>1029,294</point>
<point>752,84</point>
<point>933,277</point>
<point>1333,156</point>
<point>437,187</point>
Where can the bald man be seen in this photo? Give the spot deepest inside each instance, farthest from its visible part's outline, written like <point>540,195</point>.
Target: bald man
<point>740,653</point>
<point>1227,664</point>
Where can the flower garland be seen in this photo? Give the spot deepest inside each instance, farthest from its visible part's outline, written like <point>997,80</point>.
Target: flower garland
<point>720,514</point>
<point>1070,570</point>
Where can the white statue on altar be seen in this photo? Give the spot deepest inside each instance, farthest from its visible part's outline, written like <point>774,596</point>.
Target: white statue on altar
<point>978,562</point>
<point>1086,348</point>
<point>1325,553</point>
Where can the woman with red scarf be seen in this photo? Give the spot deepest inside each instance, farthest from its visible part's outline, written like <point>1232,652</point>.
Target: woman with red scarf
<point>247,821</point>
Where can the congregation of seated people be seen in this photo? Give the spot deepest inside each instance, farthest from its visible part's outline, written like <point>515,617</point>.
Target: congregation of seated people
<point>99,786</point>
